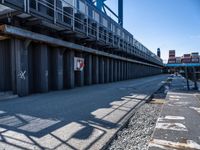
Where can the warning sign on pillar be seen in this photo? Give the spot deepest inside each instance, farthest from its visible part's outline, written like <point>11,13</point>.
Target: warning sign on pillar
<point>78,64</point>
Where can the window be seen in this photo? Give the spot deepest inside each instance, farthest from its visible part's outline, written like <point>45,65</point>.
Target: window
<point>95,16</point>
<point>83,8</point>
<point>113,28</point>
<point>104,22</point>
<point>118,31</point>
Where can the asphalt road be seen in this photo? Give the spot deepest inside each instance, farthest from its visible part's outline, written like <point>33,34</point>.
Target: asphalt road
<point>179,123</point>
<point>81,118</point>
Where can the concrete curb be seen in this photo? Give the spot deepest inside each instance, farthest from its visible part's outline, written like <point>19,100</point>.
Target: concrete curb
<point>8,97</point>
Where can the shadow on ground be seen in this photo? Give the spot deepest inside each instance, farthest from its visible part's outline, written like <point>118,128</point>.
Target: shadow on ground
<point>73,119</point>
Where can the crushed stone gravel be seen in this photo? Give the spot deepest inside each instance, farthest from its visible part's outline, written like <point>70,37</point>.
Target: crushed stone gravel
<point>139,130</point>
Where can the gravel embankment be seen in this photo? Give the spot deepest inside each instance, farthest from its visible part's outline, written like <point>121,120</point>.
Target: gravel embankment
<point>139,130</point>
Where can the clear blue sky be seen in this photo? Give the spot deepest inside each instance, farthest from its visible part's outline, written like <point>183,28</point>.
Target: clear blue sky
<point>168,24</point>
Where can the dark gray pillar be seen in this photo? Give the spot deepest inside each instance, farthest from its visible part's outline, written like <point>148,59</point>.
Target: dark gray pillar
<point>125,71</point>
<point>107,70</point>
<point>119,70</point>
<point>111,70</point>
<point>57,69</point>
<point>13,66</point>
<point>88,69</point>
<point>95,69</point>
<point>127,67</point>
<point>117,63</point>
<point>22,78</point>
<point>129,70</point>
<point>122,70</point>
<point>5,66</point>
<point>79,75</point>
<point>42,68</point>
<point>101,69</point>
<point>69,75</point>
<point>115,70</point>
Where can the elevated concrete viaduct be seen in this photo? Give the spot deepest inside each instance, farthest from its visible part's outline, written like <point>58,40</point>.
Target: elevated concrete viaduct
<point>47,46</point>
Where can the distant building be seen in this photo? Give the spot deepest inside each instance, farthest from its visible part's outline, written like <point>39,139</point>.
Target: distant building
<point>172,53</point>
<point>178,60</point>
<point>194,57</point>
<point>172,57</point>
<point>158,52</point>
<point>186,58</point>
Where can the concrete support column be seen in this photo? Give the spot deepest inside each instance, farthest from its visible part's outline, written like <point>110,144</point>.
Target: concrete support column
<point>115,70</point>
<point>135,70</point>
<point>88,69</point>
<point>118,70</point>
<point>42,68</point>
<point>107,70</point>
<point>5,65</point>
<point>69,75</point>
<point>125,70</point>
<point>122,70</point>
<point>95,69</point>
<point>57,69</point>
<point>21,53</point>
<point>130,70</point>
<point>111,70</point>
<point>101,70</point>
<point>79,75</point>
<point>127,66</point>
<point>131,66</point>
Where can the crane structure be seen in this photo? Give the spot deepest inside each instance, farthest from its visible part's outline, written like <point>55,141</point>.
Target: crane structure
<point>100,4</point>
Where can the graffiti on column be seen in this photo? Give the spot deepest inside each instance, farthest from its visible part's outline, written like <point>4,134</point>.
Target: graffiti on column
<point>21,75</point>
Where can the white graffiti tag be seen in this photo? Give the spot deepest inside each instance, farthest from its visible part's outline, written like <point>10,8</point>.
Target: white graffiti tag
<point>21,75</point>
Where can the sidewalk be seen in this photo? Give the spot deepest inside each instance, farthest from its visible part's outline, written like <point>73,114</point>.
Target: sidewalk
<point>178,127</point>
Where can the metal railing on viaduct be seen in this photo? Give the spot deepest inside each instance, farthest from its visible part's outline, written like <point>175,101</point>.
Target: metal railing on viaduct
<point>60,44</point>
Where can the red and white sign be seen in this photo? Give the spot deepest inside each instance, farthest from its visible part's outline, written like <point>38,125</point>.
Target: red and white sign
<point>78,64</point>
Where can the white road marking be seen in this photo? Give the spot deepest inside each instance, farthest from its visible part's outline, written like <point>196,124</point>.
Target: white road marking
<point>175,117</point>
<point>161,119</point>
<point>195,108</point>
<point>181,103</point>
<point>174,99</point>
<point>169,145</point>
<point>171,126</point>
<point>172,96</point>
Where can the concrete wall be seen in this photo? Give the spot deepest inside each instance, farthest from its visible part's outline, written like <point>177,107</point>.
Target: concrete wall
<point>28,67</point>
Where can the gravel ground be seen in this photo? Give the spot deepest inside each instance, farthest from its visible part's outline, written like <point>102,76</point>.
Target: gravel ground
<point>139,130</point>
<point>198,96</point>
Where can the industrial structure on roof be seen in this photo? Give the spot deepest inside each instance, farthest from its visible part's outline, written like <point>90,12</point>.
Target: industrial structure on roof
<point>58,44</point>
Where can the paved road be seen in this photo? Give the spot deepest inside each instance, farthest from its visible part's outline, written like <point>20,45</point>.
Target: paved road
<point>179,124</point>
<point>82,118</point>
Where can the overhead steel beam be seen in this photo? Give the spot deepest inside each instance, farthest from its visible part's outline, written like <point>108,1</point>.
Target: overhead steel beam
<point>120,12</point>
<point>100,4</point>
